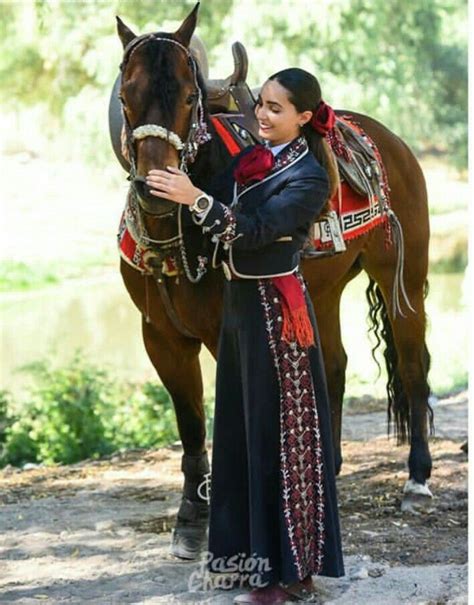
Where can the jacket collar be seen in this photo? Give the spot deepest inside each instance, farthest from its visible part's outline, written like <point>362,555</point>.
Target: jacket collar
<point>275,149</point>
<point>289,155</point>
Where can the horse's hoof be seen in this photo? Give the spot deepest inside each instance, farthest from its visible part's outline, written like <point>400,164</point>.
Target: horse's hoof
<point>188,542</point>
<point>417,498</point>
<point>189,537</point>
<point>417,489</point>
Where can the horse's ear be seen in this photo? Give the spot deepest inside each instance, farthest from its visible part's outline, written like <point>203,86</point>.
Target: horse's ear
<point>125,34</point>
<point>187,27</point>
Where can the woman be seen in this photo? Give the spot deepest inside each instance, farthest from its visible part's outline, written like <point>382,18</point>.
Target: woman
<point>273,512</point>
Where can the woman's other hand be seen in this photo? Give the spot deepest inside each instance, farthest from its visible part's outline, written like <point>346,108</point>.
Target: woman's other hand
<point>172,184</point>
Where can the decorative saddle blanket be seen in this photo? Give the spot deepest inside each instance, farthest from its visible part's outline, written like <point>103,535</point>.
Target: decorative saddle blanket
<point>357,215</point>
<point>363,200</point>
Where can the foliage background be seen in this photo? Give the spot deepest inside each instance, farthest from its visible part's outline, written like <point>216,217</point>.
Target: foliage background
<point>80,410</point>
<point>403,62</point>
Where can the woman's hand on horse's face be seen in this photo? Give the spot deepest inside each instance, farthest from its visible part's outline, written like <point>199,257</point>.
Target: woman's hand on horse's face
<point>172,184</point>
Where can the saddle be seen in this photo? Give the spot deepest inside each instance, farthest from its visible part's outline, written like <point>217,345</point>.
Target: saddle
<point>231,102</point>
<point>360,168</point>
<point>223,94</point>
<point>357,161</point>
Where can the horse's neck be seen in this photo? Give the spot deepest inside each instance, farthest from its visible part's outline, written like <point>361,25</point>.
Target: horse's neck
<point>161,229</point>
<point>211,159</point>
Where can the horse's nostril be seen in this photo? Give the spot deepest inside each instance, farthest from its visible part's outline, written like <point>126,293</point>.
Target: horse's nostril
<point>151,203</point>
<point>143,190</point>
<point>140,185</point>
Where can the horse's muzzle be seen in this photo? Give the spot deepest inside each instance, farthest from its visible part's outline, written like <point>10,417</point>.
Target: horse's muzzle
<point>150,203</point>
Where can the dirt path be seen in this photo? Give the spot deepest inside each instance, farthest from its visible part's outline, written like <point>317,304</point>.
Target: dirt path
<point>98,531</point>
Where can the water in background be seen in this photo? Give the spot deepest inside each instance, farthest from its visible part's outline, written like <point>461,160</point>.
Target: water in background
<point>99,318</point>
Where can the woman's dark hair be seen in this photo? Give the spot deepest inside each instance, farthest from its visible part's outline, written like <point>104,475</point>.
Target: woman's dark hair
<point>304,92</point>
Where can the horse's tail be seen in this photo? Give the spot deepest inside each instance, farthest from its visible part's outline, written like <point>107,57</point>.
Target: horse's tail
<point>398,404</point>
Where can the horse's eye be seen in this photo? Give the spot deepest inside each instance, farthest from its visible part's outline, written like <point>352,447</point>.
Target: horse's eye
<point>191,98</point>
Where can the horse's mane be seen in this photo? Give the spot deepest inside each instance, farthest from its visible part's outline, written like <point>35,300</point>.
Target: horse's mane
<point>159,62</point>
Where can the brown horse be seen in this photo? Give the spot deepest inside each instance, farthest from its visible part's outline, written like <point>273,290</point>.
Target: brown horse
<point>162,86</point>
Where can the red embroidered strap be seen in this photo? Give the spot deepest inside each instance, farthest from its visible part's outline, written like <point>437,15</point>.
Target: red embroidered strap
<point>232,146</point>
<point>296,322</point>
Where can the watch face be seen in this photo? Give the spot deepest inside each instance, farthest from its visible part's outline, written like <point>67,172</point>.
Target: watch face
<point>202,203</point>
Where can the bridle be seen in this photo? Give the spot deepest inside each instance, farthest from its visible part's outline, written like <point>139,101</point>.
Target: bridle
<point>198,135</point>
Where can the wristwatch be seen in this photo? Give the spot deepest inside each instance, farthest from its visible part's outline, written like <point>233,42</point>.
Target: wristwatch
<point>201,203</point>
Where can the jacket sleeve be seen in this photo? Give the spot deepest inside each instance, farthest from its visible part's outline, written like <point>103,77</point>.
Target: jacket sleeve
<point>294,207</point>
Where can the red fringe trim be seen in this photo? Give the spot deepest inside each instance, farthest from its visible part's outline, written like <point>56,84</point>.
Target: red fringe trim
<point>296,324</point>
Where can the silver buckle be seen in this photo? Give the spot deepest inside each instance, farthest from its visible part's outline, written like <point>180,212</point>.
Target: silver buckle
<point>329,230</point>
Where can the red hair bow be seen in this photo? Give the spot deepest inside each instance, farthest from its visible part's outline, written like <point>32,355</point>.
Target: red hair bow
<point>323,119</point>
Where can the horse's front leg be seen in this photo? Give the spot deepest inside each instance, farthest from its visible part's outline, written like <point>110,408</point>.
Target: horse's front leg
<point>335,363</point>
<point>176,360</point>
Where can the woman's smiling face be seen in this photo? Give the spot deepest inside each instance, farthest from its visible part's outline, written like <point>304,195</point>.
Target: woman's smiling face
<point>278,119</point>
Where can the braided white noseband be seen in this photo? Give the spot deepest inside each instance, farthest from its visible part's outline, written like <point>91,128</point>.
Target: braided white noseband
<point>153,130</point>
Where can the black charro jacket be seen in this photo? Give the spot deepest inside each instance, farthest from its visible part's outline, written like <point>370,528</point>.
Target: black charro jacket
<point>263,226</point>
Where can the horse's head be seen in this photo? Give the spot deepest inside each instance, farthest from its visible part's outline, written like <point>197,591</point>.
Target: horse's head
<point>163,95</point>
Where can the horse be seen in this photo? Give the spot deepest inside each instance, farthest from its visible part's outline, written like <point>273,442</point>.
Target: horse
<point>167,122</point>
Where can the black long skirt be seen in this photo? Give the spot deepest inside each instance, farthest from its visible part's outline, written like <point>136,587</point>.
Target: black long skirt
<point>254,525</point>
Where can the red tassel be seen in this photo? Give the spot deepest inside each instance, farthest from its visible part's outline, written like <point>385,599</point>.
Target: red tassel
<point>296,323</point>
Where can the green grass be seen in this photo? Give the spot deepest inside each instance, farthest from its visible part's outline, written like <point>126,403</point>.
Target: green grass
<point>455,262</point>
<point>16,276</point>
<point>20,276</point>
<point>79,410</point>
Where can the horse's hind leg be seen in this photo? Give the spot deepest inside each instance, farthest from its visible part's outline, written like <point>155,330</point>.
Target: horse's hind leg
<point>406,356</point>
<point>176,360</point>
